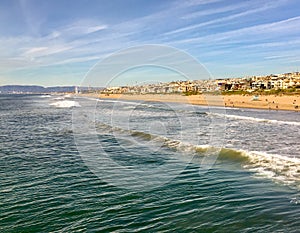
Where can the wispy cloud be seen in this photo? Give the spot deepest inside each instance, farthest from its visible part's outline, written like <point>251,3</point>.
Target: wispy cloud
<point>33,18</point>
<point>277,44</point>
<point>217,21</point>
<point>277,57</point>
<point>212,29</point>
<point>83,27</point>
<point>199,2</point>
<point>218,10</point>
<point>57,47</point>
<point>45,51</point>
<point>283,27</point>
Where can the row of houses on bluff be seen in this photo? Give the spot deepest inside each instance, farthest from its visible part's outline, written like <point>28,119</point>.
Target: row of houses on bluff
<point>282,81</point>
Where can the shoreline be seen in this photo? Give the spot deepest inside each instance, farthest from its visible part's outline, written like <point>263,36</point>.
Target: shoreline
<point>267,102</point>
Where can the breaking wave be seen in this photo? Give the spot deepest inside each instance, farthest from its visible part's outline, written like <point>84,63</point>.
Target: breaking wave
<point>59,98</point>
<point>276,167</point>
<point>254,119</point>
<point>45,96</point>
<point>65,104</point>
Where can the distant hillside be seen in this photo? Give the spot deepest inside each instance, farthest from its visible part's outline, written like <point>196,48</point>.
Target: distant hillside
<point>39,89</point>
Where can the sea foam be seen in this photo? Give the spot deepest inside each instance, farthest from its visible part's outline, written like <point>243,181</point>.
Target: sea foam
<point>254,119</point>
<point>59,98</point>
<point>45,96</point>
<point>273,166</point>
<point>65,104</point>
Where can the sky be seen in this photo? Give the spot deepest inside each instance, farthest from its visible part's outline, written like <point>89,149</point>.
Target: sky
<point>58,42</point>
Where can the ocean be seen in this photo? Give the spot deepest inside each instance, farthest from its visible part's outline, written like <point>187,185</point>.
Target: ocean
<point>84,165</point>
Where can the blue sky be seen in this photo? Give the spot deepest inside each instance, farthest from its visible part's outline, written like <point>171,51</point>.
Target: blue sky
<point>57,42</point>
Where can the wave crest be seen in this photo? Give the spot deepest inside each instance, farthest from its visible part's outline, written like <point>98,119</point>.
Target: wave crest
<point>65,104</point>
<point>279,168</point>
<point>253,119</point>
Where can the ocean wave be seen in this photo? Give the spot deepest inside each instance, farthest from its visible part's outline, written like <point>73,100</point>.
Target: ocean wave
<point>65,104</point>
<point>45,96</point>
<point>276,167</point>
<point>59,98</point>
<point>119,101</point>
<point>254,119</point>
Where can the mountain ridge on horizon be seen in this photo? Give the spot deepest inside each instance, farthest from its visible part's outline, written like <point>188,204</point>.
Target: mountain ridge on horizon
<point>9,89</point>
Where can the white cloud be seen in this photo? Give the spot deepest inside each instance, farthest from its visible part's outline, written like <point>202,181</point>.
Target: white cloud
<point>82,27</point>
<point>95,28</point>
<point>256,9</point>
<point>76,60</point>
<point>87,40</point>
<point>35,50</point>
<point>45,51</point>
<point>287,43</point>
<point>222,9</point>
<point>284,27</point>
<point>273,57</point>
<point>199,2</point>
<point>58,47</point>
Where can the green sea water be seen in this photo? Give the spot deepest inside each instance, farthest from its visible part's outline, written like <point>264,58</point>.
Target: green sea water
<point>47,186</point>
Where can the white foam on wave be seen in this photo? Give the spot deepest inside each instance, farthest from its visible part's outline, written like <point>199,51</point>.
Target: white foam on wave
<point>120,102</point>
<point>45,96</point>
<point>254,119</point>
<point>59,98</point>
<point>277,167</point>
<point>124,104</point>
<point>65,104</point>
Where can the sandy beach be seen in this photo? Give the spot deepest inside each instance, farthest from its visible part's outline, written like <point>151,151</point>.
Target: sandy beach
<point>271,102</point>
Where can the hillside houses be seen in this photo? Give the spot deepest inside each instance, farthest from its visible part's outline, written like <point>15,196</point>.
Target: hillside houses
<point>282,81</point>
<point>166,88</point>
<point>234,84</point>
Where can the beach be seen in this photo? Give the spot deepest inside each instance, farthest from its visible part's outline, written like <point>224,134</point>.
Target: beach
<point>270,102</point>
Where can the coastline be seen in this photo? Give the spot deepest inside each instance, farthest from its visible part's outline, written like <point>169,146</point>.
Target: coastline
<point>268,102</point>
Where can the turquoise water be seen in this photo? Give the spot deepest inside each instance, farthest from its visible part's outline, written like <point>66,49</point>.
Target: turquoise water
<point>47,184</point>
